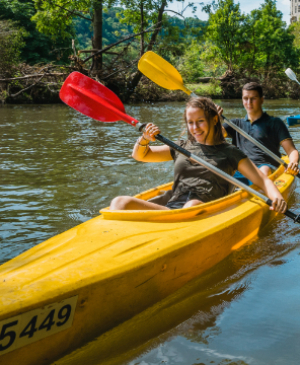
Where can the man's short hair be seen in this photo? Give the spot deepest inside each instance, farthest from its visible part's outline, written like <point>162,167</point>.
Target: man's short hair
<point>254,86</point>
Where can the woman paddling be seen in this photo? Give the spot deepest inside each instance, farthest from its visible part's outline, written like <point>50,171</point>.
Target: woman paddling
<point>193,183</point>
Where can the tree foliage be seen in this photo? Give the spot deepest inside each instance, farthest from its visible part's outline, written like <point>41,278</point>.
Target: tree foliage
<point>257,43</point>
<point>190,65</point>
<point>177,35</point>
<point>38,47</point>
<point>295,30</point>
<point>224,31</point>
<point>11,42</point>
<point>272,43</point>
<point>113,29</point>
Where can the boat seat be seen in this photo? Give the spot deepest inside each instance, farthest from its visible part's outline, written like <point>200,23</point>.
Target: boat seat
<point>231,188</point>
<point>163,198</point>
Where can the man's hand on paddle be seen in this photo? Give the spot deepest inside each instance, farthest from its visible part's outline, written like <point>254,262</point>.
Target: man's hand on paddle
<point>219,109</point>
<point>291,151</point>
<point>292,168</point>
<point>220,112</point>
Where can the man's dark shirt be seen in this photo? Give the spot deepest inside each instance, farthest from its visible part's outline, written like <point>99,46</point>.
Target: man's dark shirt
<point>267,130</point>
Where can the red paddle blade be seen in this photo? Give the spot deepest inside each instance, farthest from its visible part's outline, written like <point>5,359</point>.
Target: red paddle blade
<point>93,99</point>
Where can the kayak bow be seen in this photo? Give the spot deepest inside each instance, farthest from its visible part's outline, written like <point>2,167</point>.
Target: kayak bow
<point>83,282</point>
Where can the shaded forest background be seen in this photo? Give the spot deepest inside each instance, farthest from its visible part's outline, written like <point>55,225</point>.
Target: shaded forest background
<point>42,41</point>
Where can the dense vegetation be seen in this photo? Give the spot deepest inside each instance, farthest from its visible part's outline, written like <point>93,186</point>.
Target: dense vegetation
<point>231,47</point>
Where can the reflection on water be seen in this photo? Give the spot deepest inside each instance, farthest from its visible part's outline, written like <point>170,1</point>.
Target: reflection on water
<point>58,168</point>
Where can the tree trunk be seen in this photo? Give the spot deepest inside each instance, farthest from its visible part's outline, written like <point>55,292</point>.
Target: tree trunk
<point>136,79</point>
<point>97,38</point>
<point>142,28</point>
<point>159,19</point>
<point>267,66</point>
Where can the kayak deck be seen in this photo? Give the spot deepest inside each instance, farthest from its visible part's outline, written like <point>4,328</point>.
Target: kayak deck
<point>83,282</point>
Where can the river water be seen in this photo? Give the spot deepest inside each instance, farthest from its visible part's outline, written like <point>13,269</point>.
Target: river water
<point>58,168</point>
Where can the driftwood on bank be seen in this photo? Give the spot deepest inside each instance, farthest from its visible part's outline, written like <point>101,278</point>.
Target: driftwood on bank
<point>275,84</point>
<point>51,77</point>
<point>206,80</point>
<point>32,76</point>
<point>39,84</point>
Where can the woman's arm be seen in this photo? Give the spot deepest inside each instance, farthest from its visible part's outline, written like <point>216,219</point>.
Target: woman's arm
<point>248,169</point>
<point>143,152</point>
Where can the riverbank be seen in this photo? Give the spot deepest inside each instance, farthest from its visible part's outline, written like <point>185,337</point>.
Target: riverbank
<point>23,90</point>
<point>143,93</point>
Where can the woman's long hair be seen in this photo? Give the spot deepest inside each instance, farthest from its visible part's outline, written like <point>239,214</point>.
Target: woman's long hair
<point>210,111</point>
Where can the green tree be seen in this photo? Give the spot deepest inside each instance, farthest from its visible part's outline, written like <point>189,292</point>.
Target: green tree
<point>177,35</point>
<point>55,18</point>
<point>254,44</point>
<point>272,42</point>
<point>224,31</point>
<point>140,14</point>
<point>190,64</point>
<point>295,30</point>
<point>113,30</point>
<point>11,43</point>
<point>38,48</point>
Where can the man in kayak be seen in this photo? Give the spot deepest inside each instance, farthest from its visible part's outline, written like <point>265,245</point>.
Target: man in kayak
<point>269,131</point>
<point>193,183</point>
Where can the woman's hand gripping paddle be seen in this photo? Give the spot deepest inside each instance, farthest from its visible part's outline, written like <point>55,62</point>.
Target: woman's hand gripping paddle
<point>165,75</point>
<point>98,102</point>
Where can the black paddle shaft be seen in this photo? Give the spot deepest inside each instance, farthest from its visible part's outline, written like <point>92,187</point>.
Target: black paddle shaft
<point>288,213</point>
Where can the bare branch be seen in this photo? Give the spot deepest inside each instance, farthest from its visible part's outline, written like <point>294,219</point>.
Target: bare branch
<point>27,88</point>
<point>122,40</point>
<point>72,12</point>
<point>96,50</point>
<point>122,52</point>
<point>122,69</point>
<point>175,13</point>
<point>31,76</point>
<point>73,47</point>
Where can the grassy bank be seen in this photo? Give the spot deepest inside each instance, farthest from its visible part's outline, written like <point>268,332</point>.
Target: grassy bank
<point>148,91</point>
<point>211,89</point>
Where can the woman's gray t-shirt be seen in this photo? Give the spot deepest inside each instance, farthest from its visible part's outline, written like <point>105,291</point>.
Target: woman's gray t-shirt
<point>190,177</point>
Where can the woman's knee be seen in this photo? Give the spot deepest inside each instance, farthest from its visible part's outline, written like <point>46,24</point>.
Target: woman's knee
<point>192,203</point>
<point>120,202</point>
<point>265,170</point>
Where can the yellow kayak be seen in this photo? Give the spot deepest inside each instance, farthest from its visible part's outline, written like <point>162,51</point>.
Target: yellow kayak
<point>83,282</point>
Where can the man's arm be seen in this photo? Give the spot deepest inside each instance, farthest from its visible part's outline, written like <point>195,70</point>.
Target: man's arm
<point>290,149</point>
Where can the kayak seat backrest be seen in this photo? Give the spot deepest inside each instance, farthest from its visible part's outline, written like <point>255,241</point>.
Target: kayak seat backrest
<point>231,188</point>
<point>162,199</point>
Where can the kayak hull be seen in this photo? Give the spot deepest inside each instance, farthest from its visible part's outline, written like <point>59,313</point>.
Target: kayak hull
<point>292,120</point>
<point>83,282</point>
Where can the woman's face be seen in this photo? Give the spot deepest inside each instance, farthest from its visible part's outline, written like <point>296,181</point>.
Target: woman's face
<point>198,125</point>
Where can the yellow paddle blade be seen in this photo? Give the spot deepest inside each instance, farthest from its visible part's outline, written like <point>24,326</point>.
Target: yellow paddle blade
<point>161,72</point>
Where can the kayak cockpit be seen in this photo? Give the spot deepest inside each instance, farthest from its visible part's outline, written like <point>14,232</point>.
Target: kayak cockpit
<point>175,215</point>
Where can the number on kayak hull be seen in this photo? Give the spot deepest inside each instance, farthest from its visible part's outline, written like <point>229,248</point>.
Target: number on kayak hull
<point>32,326</point>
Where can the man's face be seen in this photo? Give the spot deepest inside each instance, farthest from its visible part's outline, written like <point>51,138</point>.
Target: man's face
<point>252,101</point>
